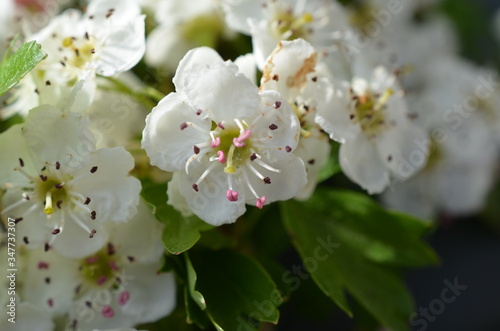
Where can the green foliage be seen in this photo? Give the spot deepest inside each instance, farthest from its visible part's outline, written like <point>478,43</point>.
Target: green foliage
<point>350,244</point>
<point>233,290</point>
<point>180,233</point>
<point>15,67</point>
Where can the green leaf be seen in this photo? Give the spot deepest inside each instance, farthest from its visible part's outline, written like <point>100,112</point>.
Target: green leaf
<point>180,233</point>
<point>350,244</point>
<point>19,64</point>
<point>238,292</point>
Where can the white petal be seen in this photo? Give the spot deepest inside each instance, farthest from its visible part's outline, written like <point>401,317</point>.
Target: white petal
<point>201,56</point>
<point>74,241</point>
<point>284,185</point>
<point>57,136</point>
<point>140,237</point>
<point>175,198</point>
<point>217,88</point>
<point>63,279</point>
<point>360,162</point>
<point>403,149</point>
<point>165,47</point>
<point>237,12</point>
<point>152,294</point>
<point>166,144</point>
<point>290,62</point>
<point>334,117</point>
<point>314,152</point>
<point>247,66</point>
<point>114,195</point>
<point>122,49</point>
<point>29,317</point>
<point>210,202</point>
<point>262,41</point>
<point>12,148</point>
<point>288,125</point>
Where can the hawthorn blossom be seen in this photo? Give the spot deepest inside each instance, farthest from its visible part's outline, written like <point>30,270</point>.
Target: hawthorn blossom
<point>119,285</point>
<point>371,120</point>
<point>322,23</point>
<point>58,187</point>
<point>293,70</point>
<point>227,143</point>
<point>106,40</point>
<point>461,119</point>
<point>183,25</point>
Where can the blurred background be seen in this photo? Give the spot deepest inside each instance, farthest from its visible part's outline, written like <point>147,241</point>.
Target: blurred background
<point>469,247</point>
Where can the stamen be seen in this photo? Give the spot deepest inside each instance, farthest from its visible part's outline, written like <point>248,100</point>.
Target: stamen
<point>58,165</point>
<point>195,187</point>
<point>267,166</point>
<point>273,127</point>
<point>14,205</point>
<point>288,149</point>
<point>222,157</point>
<point>205,174</point>
<point>101,280</point>
<point>258,174</point>
<point>25,240</point>
<point>58,204</point>
<point>81,205</point>
<point>113,266</point>
<point>260,202</point>
<point>383,99</point>
<point>123,298</point>
<point>21,162</point>
<point>87,201</point>
<point>93,214</point>
<point>200,129</point>
<point>239,142</point>
<point>48,204</point>
<point>56,231</point>
<point>92,233</point>
<point>107,311</point>
<point>93,169</point>
<point>43,265</point>
<point>215,142</point>
<point>111,249</point>
<point>277,104</point>
<point>79,222</point>
<point>232,195</point>
<point>92,260</point>
<point>24,172</point>
<point>196,149</point>
<point>221,126</point>
<point>240,125</point>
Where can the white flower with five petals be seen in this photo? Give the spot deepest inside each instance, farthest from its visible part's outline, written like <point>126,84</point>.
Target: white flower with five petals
<point>227,143</point>
<point>369,116</point>
<point>58,187</point>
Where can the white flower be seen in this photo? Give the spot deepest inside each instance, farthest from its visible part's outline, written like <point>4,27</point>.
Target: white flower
<point>322,23</point>
<point>28,317</point>
<point>118,286</point>
<point>463,152</point>
<point>107,39</point>
<point>228,143</point>
<point>183,25</point>
<point>58,187</point>
<point>371,120</point>
<point>292,70</point>
<point>114,115</point>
